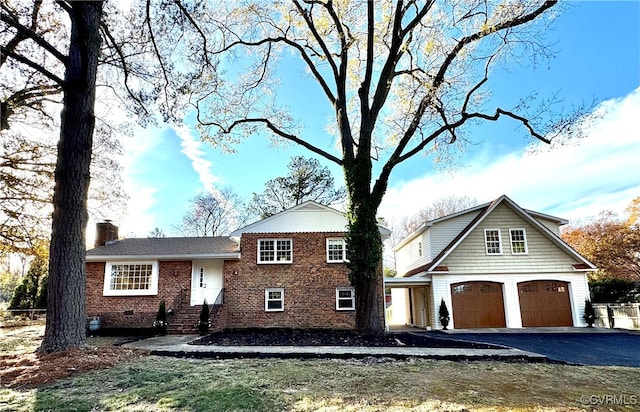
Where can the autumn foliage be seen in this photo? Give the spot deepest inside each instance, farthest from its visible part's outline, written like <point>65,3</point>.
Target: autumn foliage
<point>611,243</point>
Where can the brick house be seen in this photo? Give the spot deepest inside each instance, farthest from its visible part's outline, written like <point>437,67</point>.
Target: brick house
<point>287,271</point>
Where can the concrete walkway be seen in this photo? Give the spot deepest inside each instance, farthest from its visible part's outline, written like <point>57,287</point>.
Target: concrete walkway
<point>177,345</point>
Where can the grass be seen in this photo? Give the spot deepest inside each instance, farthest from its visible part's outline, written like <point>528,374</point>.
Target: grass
<point>171,384</point>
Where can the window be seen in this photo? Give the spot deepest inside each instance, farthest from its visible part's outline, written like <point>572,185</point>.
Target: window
<point>336,250</point>
<point>492,241</point>
<point>274,300</point>
<point>518,241</point>
<point>345,299</point>
<point>464,288</point>
<point>131,278</point>
<point>201,278</point>
<point>275,251</point>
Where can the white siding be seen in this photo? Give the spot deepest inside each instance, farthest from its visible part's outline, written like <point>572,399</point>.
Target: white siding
<point>444,232</point>
<point>399,306</point>
<point>551,225</point>
<point>302,220</point>
<point>434,240</point>
<point>543,255</point>
<point>408,257</point>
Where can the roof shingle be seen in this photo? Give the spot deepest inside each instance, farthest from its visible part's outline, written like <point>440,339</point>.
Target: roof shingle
<point>172,246</point>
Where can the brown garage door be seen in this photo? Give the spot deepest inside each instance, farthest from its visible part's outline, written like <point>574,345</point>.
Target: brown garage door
<point>545,303</point>
<point>477,305</point>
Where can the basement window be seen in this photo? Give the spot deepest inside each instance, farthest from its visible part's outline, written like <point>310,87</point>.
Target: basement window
<point>274,300</point>
<point>345,299</point>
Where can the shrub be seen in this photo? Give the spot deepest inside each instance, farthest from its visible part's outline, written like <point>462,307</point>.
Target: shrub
<point>204,324</point>
<point>613,290</point>
<point>443,314</point>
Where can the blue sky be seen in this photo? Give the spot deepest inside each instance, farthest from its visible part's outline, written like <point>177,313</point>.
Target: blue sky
<point>598,57</point>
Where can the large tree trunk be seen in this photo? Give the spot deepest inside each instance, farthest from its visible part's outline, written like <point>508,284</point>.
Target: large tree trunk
<point>364,246</point>
<point>66,318</point>
<point>365,259</point>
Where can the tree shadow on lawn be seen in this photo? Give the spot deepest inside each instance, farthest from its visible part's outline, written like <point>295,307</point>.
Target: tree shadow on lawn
<point>331,337</point>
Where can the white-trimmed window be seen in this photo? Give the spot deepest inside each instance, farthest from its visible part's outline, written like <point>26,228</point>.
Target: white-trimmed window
<point>130,278</point>
<point>275,251</point>
<point>493,241</point>
<point>274,299</point>
<point>518,241</point>
<point>336,250</point>
<point>345,299</point>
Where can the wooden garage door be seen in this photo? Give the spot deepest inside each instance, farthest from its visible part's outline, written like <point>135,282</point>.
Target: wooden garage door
<point>477,305</point>
<point>545,303</point>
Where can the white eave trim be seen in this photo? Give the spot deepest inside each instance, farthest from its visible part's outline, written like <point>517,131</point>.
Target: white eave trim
<point>416,280</point>
<point>103,258</point>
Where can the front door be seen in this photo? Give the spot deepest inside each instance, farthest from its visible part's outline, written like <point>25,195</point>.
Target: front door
<point>206,282</point>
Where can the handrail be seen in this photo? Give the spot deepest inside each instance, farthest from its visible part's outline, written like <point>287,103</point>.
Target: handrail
<point>220,298</point>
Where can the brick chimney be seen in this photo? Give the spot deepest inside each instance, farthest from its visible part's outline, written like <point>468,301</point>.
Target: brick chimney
<point>105,231</point>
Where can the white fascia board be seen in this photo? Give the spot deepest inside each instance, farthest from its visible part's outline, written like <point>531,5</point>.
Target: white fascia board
<point>104,258</point>
<point>412,236</point>
<point>416,280</point>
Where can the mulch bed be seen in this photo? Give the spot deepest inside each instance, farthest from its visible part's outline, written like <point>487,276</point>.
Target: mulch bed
<point>329,337</point>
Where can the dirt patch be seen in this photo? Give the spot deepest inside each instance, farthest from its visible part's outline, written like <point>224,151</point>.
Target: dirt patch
<point>326,337</point>
<point>20,366</point>
<point>31,370</point>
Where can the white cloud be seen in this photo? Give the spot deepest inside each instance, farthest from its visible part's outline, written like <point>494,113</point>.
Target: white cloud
<point>191,148</point>
<point>574,181</point>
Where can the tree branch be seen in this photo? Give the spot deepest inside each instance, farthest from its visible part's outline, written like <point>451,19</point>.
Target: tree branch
<point>275,129</point>
<point>33,65</point>
<point>25,31</point>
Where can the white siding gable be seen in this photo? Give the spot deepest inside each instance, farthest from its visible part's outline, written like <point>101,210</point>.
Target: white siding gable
<point>306,217</point>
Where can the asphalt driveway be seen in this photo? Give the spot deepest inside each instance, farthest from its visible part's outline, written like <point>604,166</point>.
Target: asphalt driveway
<point>610,349</point>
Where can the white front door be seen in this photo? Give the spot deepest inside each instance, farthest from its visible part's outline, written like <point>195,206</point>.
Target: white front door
<point>206,281</point>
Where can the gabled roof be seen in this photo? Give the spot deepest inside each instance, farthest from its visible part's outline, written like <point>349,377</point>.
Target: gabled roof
<point>484,211</point>
<point>306,217</point>
<point>476,209</point>
<point>166,248</point>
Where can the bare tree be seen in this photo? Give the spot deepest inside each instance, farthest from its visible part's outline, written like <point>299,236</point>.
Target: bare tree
<point>440,207</point>
<point>306,180</point>
<point>400,78</point>
<point>213,214</point>
<point>156,233</point>
<point>56,48</point>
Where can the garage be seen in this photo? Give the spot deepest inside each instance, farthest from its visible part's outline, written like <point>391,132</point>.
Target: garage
<point>545,303</point>
<point>477,305</point>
